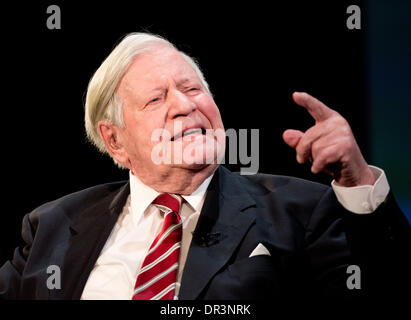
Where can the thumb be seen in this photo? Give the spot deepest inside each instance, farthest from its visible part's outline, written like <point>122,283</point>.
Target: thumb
<point>292,137</point>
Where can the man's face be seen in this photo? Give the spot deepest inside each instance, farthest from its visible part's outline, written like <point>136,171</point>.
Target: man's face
<point>163,99</point>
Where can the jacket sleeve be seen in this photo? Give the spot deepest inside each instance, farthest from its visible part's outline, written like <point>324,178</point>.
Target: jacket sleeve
<point>379,244</point>
<point>11,271</point>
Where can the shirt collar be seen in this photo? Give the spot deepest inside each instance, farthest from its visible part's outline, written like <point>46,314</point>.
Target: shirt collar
<point>142,196</point>
<point>196,198</point>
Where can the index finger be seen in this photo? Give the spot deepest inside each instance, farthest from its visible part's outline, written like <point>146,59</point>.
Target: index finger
<point>318,110</point>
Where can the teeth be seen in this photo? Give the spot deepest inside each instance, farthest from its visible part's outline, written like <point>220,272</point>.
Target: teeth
<point>188,132</point>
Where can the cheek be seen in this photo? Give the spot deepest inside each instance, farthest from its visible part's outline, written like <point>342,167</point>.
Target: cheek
<point>210,110</point>
<point>140,132</point>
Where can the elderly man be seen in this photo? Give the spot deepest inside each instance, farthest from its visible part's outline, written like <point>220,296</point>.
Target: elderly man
<point>190,229</point>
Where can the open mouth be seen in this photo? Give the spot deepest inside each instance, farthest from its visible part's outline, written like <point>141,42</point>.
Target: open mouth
<point>189,132</point>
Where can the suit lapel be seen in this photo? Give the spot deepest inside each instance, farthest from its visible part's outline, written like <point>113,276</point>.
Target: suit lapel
<point>226,217</point>
<point>89,233</point>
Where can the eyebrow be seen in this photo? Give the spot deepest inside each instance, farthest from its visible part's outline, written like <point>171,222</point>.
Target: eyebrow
<point>180,82</point>
<point>185,80</point>
<point>159,88</point>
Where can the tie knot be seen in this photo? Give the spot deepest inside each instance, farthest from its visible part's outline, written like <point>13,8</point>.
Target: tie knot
<point>168,202</point>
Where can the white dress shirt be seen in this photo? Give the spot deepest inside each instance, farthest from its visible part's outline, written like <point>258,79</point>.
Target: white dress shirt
<point>115,272</point>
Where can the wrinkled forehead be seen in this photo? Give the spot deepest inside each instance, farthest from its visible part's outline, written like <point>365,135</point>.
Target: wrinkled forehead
<point>156,64</point>
<point>153,70</point>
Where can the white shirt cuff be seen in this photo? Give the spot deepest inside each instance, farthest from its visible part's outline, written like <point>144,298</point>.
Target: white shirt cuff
<point>363,199</point>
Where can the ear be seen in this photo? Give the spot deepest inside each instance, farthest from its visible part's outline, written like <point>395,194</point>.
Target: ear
<point>112,138</point>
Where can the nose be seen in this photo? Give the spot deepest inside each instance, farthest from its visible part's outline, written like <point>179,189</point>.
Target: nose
<point>180,104</point>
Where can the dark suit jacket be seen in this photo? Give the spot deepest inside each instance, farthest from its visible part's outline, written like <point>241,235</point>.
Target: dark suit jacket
<point>311,238</point>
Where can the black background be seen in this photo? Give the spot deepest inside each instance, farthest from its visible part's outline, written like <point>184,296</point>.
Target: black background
<point>254,56</point>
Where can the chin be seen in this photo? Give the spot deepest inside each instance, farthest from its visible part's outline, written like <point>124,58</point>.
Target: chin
<point>204,151</point>
<point>204,168</point>
<point>195,154</point>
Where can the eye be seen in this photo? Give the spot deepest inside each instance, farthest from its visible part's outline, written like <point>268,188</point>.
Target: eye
<point>154,100</point>
<point>193,90</point>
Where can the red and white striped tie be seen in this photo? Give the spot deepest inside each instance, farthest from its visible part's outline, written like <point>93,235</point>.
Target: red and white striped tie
<point>158,275</point>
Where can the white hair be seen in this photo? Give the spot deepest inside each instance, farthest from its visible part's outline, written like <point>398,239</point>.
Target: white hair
<point>102,102</point>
